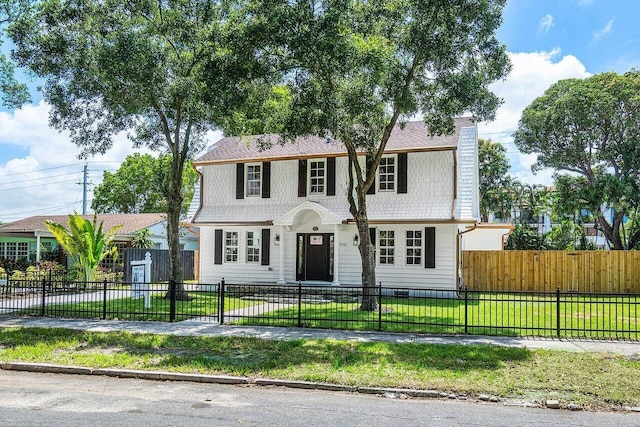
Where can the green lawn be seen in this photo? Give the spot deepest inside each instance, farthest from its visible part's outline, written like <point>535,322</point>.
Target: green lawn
<point>200,305</point>
<point>486,314</point>
<point>594,380</point>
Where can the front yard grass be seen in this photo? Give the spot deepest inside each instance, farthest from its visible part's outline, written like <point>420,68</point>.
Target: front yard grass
<point>487,314</point>
<point>593,380</point>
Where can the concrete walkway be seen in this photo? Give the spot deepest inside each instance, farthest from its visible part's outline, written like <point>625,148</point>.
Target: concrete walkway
<point>196,328</point>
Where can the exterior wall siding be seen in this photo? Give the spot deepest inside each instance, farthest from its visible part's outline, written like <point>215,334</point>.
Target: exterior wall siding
<point>349,264</point>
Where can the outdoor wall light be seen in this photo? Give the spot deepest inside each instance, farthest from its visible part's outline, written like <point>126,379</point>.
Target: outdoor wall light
<point>277,240</point>
<point>356,240</point>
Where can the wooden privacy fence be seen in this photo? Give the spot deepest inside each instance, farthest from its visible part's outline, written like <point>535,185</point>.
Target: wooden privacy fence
<point>160,263</point>
<point>543,271</point>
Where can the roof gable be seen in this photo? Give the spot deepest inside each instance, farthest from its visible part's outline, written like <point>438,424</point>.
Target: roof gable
<point>414,136</point>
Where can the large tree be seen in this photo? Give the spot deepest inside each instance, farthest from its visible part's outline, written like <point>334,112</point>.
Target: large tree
<point>141,185</point>
<point>12,92</point>
<point>357,69</point>
<point>115,66</point>
<point>494,180</point>
<point>591,128</point>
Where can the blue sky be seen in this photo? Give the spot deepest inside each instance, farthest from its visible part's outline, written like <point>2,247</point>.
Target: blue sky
<point>547,40</point>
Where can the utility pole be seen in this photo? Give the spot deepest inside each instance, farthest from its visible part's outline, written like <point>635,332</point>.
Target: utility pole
<point>84,190</point>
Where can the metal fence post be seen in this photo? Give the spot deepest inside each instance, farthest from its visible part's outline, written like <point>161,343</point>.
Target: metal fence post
<point>466,308</point>
<point>558,311</point>
<point>172,300</point>
<point>299,303</point>
<point>104,299</point>
<point>221,306</point>
<point>44,296</point>
<point>380,306</point>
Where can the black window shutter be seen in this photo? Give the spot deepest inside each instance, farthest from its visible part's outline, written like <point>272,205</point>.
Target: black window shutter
<point>240,181</point>
<point>331,176</point>
<point>266,241</point>
<point>302,178</point>
<point>217,247</point>
<point>429,247</point>
<point>372,189</point>
<point>266,180</point>
<point>402,173</point>
<point>372,236</point>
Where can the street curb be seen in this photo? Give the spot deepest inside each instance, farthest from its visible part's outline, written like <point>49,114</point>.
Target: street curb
<point>122,373</point>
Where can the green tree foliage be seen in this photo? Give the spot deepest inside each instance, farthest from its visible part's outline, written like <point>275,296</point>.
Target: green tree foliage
<point>591,128</point>
<point>357,69</point>
<point>116,66</point>
<point>142,239</point>
<point>13,93</point>
<point>495,183</point>
<point>86,242</point>
<point>141,185</point>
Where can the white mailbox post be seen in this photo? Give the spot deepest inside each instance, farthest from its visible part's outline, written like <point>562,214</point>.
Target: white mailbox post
<point>140,280</point>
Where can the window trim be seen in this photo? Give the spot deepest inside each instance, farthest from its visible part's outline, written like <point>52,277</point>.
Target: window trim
<point>394,175</point>
<point>225,246</point>
<point>382,249</point>
<point>246,179</point>
<point>417,261</point>
<point>324,177</point>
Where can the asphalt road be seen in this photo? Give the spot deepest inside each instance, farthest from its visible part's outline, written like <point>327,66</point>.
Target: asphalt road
<point>32,399</point>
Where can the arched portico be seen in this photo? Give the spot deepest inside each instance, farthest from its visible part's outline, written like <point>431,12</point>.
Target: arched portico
<point>317,242</point>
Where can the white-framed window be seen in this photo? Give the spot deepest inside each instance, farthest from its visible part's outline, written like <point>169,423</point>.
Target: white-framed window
<point>23,250</point>
<point>317,176</point>
<point>254,180</point>
<point>413,245</point>
<point>386,247</point>
<point>253,247</point>
<point>231,246</point>
<point>11,250</point>
<point>387,174</point>
<point>3,245</point>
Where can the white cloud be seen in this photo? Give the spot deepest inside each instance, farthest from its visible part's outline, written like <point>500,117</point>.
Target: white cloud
<point>597,35</point>
<point>44,181</point>
<point>545,24</point>
<point>532,74</point>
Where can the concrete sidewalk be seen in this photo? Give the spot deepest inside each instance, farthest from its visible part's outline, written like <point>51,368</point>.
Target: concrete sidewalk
<point>195,328</point>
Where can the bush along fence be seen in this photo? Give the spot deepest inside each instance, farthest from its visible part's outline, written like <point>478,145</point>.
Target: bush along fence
<point>544,314</point>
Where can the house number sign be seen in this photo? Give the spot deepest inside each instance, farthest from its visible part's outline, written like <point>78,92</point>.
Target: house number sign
<point>315,240</point>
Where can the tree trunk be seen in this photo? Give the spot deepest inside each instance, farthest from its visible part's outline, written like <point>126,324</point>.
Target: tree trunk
<point>173,227</point>
<point>368,259</point>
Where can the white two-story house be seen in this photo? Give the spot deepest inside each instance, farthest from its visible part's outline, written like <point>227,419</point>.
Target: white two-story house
<point>282,216</point>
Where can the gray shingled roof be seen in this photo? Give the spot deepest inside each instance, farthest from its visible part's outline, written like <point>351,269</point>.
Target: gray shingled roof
<point>414,136</point>
<point>130,222</point>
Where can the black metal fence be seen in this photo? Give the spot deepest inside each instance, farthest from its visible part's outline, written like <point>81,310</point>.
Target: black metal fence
<point>555,314</point>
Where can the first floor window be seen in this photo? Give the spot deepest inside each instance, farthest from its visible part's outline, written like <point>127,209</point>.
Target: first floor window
<point>253,247</point>
<point>387,247</point>
<point>23,250</point>
<point>231,246</point>
<point>11,250</point>
<point>414,247</point>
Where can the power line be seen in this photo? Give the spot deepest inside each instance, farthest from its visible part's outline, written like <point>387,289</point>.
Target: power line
<point>36,179</point>
<point>34,186</point>
<point>41,170</point>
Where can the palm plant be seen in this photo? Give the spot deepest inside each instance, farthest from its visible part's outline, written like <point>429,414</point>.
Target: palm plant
<point>85,242</point>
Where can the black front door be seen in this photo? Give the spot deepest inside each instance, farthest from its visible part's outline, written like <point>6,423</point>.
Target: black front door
<point>314,256</point>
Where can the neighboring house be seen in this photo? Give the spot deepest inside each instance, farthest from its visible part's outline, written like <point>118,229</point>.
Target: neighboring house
<point>30,239</point>
<point>282,216</point>
<point>485,237</point>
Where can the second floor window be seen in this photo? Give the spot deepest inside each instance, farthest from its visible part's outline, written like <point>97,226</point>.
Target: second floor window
<point>231,246</point>
<point>316,176</point>
<point>253,247</point>
<point>387,174</point>
<point>253,180</point>
<point>387,247</point>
